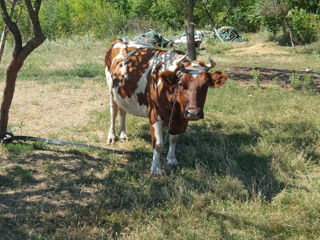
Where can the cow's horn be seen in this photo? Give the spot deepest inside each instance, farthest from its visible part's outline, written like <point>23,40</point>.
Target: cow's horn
<point>179,61</point>
<point>212,63</point>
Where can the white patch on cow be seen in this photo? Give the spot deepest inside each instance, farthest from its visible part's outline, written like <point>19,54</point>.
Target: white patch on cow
<point>159,82</point>
<point>109,78</point>
<point>119,56</point>
<point>123,132</point>
<point>142,83</point>
<point>171,157</point>
<point>113,114</point>
<point>156,165</point>
<point>194,73</point>
<point>170,59</point>
<point>130,105</point>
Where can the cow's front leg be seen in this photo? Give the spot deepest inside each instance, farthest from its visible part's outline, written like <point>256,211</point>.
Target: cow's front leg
<point>171,157</point>
<point>123,132</point>
<point>113,114</point>
<point>157,144</point>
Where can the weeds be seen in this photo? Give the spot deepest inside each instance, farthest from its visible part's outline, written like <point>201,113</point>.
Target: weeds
<point>213,47</point>
<point>295,81</point>
<point>255,74</point>
<point>308,81</point>
<point>275,81</point>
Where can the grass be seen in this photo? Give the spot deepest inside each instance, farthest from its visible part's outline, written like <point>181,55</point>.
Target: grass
<point>242,54</point>
<point>249,170</point>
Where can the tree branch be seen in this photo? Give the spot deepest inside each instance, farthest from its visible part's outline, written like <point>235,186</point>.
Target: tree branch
<point>33,13</point>
<point>12,27</point>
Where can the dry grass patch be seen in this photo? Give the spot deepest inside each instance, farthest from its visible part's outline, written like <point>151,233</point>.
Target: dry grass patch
<point>47,110</point>
<point>258,48</point>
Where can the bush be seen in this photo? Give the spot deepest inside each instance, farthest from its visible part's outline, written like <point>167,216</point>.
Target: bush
<point>304,26</point>
<point>308,81</point>
<point>255,74</point>
<point>295,80</point>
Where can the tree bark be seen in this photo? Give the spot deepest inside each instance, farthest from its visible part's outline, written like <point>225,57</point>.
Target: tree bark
<point>20,53</point>
<point>189,28</point>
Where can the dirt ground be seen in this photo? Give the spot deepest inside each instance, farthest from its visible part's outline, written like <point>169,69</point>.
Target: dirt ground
<point>54,109</point>
<point>242,75</point>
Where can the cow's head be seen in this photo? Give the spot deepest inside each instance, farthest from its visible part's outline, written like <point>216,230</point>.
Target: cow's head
<point>192,80</point>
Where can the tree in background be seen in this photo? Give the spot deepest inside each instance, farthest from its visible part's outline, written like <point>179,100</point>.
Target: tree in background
<point>213,12</point>
<point>273,15</point>
<point>19,55</point>
<point>189,28</point>
<point>295,21</point>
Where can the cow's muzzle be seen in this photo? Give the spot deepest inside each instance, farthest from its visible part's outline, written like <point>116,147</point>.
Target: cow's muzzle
<point>193,114</point>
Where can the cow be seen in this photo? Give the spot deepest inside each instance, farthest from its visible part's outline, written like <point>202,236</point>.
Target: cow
<point>161,85</point>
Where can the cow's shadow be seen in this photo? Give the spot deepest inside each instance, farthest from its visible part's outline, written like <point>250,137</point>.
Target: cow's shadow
<point>206,152</point>
<point>229,155</point>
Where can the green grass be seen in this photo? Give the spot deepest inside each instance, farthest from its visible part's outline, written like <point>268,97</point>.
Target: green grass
<point>245,172</point>
<point>249,170</point>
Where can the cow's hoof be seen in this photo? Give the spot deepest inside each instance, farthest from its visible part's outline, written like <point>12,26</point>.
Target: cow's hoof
<point>156,172</point>
<point>123,136</point>
<point>171,167</point>
<point>111,141</point>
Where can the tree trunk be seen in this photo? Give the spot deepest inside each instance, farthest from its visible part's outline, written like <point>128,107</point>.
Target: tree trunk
<point>8,92</point>
<point>189,28</point>
<point>3,41</point>
<point>20,53</point>
<point>290,34</point>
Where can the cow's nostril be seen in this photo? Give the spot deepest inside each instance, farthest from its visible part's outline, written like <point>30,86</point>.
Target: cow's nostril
<point>192,112</point>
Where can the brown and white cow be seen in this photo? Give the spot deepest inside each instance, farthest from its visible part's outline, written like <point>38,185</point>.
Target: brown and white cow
<point>144,81</point>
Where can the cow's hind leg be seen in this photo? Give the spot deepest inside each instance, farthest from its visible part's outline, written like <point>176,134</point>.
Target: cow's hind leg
<point>171,157</point>
<point>113,114</point>
<point>157,144</point>
<point>123,132</point>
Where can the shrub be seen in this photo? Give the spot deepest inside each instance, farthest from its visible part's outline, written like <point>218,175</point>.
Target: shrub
<point>308,81</point>
<point>304,26</point>
<point>295,80</point>
<point>89,70</point>
<point>255,74</point>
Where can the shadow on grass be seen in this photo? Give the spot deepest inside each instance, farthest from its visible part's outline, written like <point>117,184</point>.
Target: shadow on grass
<point>79,188</point>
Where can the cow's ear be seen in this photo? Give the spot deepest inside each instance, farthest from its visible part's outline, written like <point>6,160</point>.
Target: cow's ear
<point>218,78</point>
<point>169,77</point>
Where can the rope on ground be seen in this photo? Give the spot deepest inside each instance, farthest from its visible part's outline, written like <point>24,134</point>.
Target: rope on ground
<point>10,137</point>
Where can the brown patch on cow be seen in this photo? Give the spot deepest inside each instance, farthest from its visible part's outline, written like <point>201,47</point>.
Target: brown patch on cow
<point>122,92</point>
<point>202,63</point>
<point>109,53</point>
<point>169,77</point>
<point>142,99</point>
<point>161,103</point>
<point>137,63</point>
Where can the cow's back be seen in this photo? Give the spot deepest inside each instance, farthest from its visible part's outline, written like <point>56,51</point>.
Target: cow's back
<point>130,70</point>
